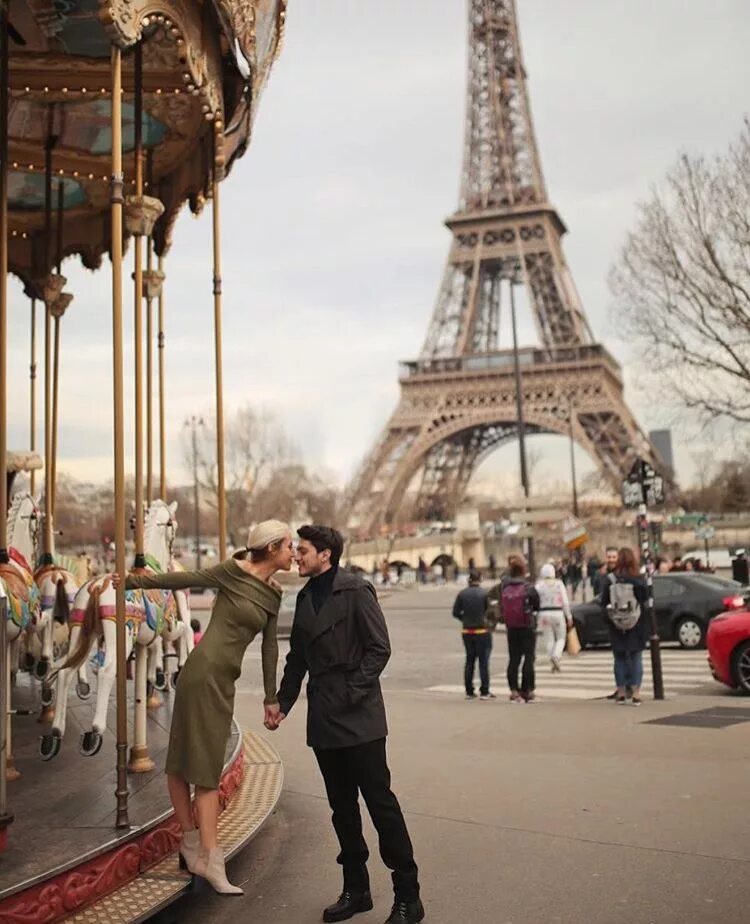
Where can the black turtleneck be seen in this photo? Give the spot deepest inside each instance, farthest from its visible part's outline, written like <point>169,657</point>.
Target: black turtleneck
<point>321,588</point>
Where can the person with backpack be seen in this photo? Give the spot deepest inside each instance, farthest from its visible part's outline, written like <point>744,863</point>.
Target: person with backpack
<point>625,596</point>
<point>555,616</point>
<point>519,602</point>
<point>470,608</point>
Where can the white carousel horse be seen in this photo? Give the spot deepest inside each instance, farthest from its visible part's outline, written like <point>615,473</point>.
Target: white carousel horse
<point>16,575</point>
<point>16,579</point>
<point>149,615</point>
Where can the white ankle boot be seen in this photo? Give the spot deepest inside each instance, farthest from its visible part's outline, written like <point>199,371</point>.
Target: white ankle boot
<point>190,848</point>
<point>210,866</point>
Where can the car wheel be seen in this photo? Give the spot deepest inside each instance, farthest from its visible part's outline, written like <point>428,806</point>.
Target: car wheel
<point>690,633</point>
<point>741,667</point>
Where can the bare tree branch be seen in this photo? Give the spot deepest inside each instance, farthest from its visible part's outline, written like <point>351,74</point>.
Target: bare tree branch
<point>682,283</point>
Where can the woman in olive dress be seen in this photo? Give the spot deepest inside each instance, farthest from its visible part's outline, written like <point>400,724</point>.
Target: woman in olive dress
<point>247,602</point>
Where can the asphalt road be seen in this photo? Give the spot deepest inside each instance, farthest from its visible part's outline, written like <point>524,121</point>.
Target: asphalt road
<point>567,811</point>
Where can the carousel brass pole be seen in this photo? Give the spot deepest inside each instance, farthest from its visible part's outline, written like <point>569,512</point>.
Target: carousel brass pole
<point>162,431</point>
<point>216,176</point>
<point>4,79</point>
<point>140,561</point>
<point>119,436</point>
<point>32,395</point>
<point>139,761</point>
<point>149,348</point>
<point>5,817</point>
<point>149,381</point>
<point>48,491</point>
<point>56,362</point>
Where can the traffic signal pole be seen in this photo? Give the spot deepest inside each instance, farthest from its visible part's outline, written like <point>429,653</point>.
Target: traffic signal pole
<point>654,640</point>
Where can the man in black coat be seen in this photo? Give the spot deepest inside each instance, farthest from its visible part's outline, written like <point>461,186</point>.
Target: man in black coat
<point>339,637</point>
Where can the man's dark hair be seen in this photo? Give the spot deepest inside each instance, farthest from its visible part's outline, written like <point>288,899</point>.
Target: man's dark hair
<point>324,537</point>
<point>475,577</point>
<point>612,548</point>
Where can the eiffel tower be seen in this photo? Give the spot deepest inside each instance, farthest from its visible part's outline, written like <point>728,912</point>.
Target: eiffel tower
<point>458,400</point>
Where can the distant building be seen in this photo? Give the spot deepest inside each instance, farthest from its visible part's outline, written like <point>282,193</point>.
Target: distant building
<point>662,442</point>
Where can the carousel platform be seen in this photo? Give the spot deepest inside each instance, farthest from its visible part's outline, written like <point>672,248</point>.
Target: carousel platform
<point>65,860</point>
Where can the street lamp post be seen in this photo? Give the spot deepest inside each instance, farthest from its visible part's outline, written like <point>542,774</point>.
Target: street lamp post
<point>572,457</point>
<point>194,423</point>
<point>521,421</point>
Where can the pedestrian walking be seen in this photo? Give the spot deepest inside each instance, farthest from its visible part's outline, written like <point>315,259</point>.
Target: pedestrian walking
<point>611,555</point>
<point>470,608</point>
<point>339,638</point>
<point>422,570</point>
<point>247,602</point>
<point>520,604</point>
<point>555,616</point>
<point>624,597</point>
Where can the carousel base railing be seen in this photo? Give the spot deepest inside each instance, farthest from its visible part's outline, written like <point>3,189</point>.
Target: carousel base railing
<point>134,874</point>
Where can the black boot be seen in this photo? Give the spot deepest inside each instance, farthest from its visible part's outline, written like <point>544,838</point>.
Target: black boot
<point>349,904</point>
<point>406,913</point>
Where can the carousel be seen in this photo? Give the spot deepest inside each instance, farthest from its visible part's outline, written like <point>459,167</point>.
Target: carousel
<point>113,116</point>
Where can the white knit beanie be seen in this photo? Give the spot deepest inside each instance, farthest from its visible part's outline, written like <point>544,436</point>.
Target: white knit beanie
<point>547,572</point>
<point>266,533</point>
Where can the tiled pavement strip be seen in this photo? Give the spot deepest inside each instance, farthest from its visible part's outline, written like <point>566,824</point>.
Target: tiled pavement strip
<point>253,802</point>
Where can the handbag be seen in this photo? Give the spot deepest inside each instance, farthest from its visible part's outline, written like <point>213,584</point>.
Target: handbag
<point>573,644</point>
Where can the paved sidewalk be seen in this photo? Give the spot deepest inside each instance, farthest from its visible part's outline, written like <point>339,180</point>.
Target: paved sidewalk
<point>565,812</point>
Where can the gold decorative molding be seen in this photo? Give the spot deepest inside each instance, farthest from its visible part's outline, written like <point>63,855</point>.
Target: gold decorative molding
<point>199,51</point>
<point>60,306</point>
<point>141,214</point>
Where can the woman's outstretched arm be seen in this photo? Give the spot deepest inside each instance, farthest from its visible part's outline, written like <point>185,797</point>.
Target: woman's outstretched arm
<point>175,580</point>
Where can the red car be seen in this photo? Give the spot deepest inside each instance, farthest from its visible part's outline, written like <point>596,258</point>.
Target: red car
<point>728,643</point>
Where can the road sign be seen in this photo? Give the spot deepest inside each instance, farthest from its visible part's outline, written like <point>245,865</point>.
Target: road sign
<point>536,516</point>
<point>705,533</point>
<point>574,533</point>
<point>644,485</point>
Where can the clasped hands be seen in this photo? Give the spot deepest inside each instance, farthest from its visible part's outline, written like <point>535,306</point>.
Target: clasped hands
<point>273,716</point>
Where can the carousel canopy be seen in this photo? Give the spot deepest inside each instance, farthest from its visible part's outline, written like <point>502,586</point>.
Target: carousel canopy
<point>204,66</point>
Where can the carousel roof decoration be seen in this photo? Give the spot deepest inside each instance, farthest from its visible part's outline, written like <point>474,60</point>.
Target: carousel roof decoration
<point>204,69</point>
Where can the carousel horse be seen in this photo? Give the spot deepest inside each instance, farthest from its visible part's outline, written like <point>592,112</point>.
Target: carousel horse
<point>58,588</point>
<point>149,615</point>
<point>17,581</point>
<point>16,575</point>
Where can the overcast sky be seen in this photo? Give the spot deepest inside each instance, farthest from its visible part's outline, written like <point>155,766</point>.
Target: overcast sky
<point>333,244</point>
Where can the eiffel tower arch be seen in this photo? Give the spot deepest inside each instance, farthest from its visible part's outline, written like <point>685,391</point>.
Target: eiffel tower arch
<point>458,399</point>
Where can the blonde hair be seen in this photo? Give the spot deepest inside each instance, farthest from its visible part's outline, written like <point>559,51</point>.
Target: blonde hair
<point>265,534</point>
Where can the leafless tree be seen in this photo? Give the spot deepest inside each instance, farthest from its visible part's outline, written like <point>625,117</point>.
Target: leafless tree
<point>255,445</point>
<point>682,283</point>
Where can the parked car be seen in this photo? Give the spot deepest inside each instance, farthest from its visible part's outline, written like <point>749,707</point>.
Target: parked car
<point>728,643</point>
<point>685,603</point>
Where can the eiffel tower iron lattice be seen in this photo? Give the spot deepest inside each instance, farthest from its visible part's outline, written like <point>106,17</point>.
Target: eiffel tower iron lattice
<point>458,400</point>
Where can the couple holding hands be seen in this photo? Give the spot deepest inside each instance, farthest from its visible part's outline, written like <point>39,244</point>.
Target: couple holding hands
<point>340,640</point>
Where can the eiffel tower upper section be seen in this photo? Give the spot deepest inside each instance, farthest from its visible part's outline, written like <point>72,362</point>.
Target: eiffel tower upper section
<point>505,222</point>
<point>458,399</point>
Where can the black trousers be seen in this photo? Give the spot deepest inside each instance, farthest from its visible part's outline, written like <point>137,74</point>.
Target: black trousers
<point>521,647</point>
<point>478,648</point>
<point>347,772</point>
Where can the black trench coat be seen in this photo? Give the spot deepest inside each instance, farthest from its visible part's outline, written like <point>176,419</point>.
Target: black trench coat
<point>344,648</point>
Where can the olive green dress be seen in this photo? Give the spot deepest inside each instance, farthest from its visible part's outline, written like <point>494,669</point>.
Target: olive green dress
<point>204,700</point>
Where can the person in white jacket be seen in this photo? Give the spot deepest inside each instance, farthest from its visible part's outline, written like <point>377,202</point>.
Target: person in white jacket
<point>555,617</point>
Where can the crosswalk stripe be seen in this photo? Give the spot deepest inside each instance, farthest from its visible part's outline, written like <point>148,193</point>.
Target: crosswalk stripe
<point>591,676</point>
